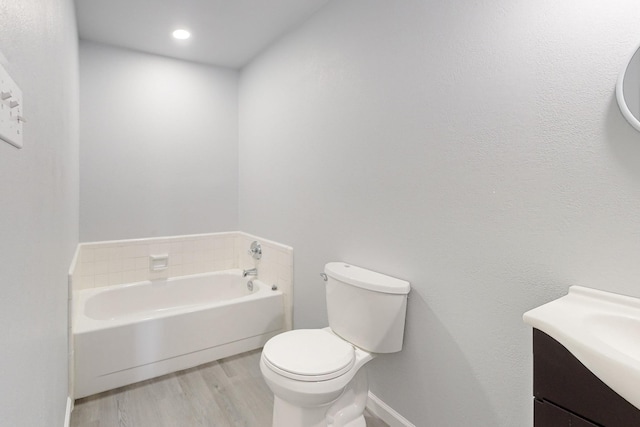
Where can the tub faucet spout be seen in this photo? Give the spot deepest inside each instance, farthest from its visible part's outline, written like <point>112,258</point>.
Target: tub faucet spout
<point>250,272</point>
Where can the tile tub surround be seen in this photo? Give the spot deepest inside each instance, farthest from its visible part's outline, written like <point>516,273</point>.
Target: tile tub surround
<point>127,261</point>
<point>275,267</point>
<point>98,264</point>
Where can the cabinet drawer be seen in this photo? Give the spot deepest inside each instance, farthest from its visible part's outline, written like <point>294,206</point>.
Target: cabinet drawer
<point>546,414</point>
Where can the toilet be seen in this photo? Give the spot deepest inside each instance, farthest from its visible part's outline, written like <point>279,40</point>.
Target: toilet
<point>318,376</point>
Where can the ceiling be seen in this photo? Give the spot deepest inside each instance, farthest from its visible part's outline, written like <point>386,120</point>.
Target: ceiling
<point>227,33</point>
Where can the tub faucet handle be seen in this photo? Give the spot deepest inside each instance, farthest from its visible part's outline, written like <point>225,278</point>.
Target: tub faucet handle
<point>255,250</point>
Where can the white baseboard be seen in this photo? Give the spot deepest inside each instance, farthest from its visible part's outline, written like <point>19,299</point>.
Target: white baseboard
<point>67,416</point>
<point>383,411</point>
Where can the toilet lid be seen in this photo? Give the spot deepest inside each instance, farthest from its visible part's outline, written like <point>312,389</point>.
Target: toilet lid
<point>309,355</point>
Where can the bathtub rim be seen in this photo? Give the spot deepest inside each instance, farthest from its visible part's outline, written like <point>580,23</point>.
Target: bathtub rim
<point>81,323</point>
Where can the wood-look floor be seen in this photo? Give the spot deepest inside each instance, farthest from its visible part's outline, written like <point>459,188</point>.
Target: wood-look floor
<point>226,393</point>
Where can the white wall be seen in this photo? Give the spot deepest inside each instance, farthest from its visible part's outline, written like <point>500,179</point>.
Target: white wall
<point>39,214</point>
<point>472,148</point>
<point>159,145</point>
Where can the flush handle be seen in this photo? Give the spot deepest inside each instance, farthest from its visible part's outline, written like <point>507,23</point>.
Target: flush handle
<point>324,277</point>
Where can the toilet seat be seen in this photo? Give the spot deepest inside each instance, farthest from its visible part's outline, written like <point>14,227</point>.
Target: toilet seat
<point>309,355</point>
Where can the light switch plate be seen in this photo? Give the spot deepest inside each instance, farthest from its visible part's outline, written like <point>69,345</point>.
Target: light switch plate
<point>11,117</point>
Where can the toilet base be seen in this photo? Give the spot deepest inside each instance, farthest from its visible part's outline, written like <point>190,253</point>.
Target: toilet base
<point>346,411</point>
<point>289,415</point>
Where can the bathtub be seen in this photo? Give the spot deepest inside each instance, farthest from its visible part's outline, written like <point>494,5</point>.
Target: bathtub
<point>128,333</point>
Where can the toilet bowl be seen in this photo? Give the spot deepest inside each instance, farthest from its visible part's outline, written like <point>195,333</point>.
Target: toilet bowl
<point>327,386</point>
<point>318,376</point>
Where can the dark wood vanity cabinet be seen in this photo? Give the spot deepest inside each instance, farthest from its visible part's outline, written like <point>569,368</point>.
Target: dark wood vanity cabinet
<point>549,415</point>
<point>567,394</point>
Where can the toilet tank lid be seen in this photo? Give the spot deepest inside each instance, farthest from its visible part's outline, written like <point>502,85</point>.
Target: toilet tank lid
<point>366,279</point>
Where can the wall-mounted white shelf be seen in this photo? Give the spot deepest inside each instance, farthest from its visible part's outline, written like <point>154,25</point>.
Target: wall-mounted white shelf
<point>11,118</point>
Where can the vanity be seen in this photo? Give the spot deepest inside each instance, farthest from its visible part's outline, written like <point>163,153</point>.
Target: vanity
<point>586,360</point>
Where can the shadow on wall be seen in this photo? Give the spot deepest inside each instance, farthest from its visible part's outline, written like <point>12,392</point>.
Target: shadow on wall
<point>623,139</point>
<point>443,380</point>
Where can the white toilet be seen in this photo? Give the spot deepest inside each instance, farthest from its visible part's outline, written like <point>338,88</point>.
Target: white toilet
<point>317,375</point>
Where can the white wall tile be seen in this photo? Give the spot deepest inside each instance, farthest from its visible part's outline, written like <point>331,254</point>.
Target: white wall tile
<point>85,282</point>
<point>128,276</point>
<point>101,254</point>
<point>87,254</point>
<point>176,270</point>
<point>175,258</point>
<point>115,278</point>
<point>175,247</point>
<point>87,269</point>
<point>101,267</point>
<point>141,263</point>
<point>159,248</point>
<point>141,275</point>
<point>128,264</point>
<point>115,253</point>
<point>115,265</point>
<point>101,280</point>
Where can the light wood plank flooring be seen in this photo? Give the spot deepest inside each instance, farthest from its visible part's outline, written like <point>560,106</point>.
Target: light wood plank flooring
<point>226,393</point>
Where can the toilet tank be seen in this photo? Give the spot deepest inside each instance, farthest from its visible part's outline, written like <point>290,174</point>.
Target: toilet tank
<point>366,308</point>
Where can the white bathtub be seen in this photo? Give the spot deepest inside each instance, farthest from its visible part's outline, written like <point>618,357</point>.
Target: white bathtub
<point>128,333</point>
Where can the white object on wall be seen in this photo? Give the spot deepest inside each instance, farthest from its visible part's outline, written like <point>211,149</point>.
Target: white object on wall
<point>628,90</point>
<point>11,118</point>
<point>158,262</point>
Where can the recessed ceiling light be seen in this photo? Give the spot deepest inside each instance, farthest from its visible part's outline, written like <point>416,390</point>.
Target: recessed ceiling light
<point>181,34</point>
